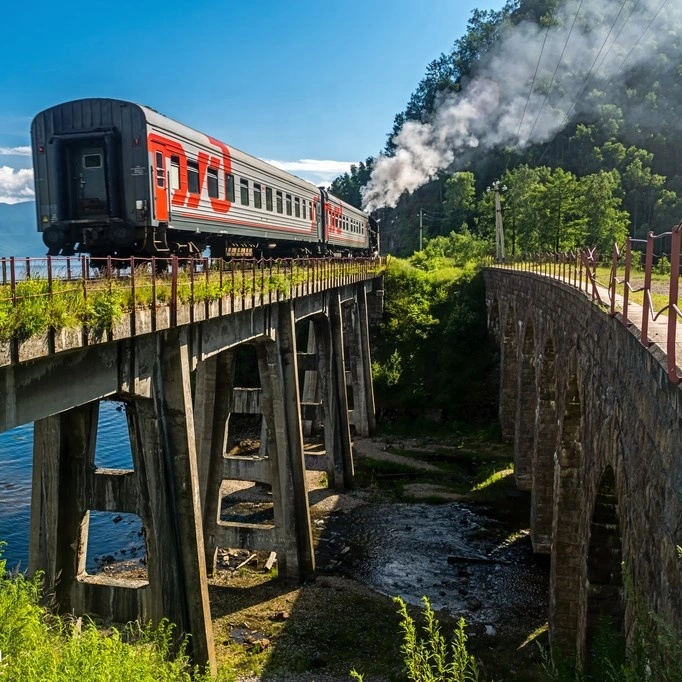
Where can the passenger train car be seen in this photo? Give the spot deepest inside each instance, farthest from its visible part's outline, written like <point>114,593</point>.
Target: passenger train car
<point>113,178</point>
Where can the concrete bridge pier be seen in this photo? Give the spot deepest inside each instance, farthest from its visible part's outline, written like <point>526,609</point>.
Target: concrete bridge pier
<point>162,489</point>
<point>357,331</point>
<point>329,338</point>
<point>290,534</point>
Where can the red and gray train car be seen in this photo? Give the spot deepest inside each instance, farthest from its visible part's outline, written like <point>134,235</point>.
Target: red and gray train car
<point>113,178</point>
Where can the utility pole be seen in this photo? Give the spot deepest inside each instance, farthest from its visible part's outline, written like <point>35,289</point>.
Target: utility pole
<point>421,227</point>
<point>500,253</point>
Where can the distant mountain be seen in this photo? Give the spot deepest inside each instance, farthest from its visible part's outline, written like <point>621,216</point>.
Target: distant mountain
<point>18,232</point>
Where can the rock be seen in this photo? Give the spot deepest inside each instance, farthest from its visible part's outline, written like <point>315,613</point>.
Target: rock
<point>117,519</point>
<point>280,616</point>
<point>490,630</point>
<point>474,604</point>
<point>319,660</point>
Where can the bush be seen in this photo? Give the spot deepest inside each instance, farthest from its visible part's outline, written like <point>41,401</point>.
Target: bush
<point>428,658</point>
<point>37,646</point>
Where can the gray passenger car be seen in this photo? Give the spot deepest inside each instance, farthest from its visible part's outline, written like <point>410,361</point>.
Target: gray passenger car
<point>117,178</point>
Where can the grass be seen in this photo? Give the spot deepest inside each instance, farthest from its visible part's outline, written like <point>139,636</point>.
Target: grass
<point>37,305</point>
<point>38,646</point>
<point>469,470</point>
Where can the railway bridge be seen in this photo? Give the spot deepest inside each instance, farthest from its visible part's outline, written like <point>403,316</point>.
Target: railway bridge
<point>173,366</point>
<point>589,396</point>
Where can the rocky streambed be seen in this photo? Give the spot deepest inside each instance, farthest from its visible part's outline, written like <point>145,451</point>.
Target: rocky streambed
<point>432,519</point>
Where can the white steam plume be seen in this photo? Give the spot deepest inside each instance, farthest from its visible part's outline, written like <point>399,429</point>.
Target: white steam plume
<point>607,38</point>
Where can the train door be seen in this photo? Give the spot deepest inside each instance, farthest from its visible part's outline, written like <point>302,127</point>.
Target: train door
<point>160,180</point>
<point>88,181</point>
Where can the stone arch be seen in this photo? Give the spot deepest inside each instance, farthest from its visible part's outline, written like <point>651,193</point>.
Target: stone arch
<point>604,579</point>
<point>508,376</point>
<point>524,423</point>
<point>544,447</point>
<point>567,558</point>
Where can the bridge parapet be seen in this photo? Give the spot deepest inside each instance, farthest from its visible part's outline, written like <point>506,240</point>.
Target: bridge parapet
<point>49,305</point>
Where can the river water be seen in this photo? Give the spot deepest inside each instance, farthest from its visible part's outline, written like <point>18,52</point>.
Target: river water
<point>116,536</point>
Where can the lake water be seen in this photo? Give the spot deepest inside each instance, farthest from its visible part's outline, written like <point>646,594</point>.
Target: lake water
<point>111,535</point>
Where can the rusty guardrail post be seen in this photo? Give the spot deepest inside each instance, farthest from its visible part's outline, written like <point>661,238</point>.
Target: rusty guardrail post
<point>673,309</point>
<point>646,307</point>
<point>626,280</point>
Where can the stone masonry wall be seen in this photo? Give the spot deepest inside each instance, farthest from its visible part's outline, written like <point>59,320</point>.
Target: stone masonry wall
<point>612,409</point>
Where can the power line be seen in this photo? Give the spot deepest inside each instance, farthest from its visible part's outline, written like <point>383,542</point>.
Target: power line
<point>530,93</point>
<point>561,56</point>
<point>586,81</point>
<point>627,56</point>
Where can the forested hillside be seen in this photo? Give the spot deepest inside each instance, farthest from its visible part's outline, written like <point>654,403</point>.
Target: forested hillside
<point>573,106</point>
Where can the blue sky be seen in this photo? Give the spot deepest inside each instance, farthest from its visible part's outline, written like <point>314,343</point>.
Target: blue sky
<point>285,81</point>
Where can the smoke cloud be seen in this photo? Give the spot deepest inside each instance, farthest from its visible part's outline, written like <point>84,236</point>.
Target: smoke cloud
<point>594,44</point>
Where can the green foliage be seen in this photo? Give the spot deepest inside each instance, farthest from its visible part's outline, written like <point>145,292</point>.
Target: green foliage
<point>37,646</point>
<point>433,342</point>
<point>100,304</point>
<point>428,658</point>
<point>614,169</point>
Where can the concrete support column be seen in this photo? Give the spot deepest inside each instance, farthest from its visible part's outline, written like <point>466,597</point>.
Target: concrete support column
<point>223,384</point>
<point>172,396</point>
<point>63,460</point>
<point>280,403</point>
<point>310,394</point>
<point>365,352</point>
<point>332,376</point>
<point>203,408</point>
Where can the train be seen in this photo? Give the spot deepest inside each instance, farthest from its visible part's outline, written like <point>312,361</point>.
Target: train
<point>115,178</point>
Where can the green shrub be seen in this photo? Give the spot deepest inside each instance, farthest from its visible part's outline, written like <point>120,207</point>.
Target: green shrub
<point>37,646</point>
<point>429,658</point>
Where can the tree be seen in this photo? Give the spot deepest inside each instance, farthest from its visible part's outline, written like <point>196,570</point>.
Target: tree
<point>460,202</point>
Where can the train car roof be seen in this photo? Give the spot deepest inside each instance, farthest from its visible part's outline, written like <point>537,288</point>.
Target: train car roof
<point>159,120</point>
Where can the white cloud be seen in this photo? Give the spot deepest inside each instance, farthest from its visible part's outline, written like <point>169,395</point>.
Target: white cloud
<point>15,151</point>
<point>16,185</point>
<point>318,171</point>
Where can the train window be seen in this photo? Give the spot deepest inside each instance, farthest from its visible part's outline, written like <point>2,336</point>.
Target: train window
<point>160,168</point>
<point>94,160</point>
<point>288,204</point>
<point>229,186</point>
<point>244,192</point>
<point>257,196</point>
<point>304,212</point>
<point>268,198</point>
<point>279,203</point>
<point>212,181</point>
<point>297,207</point>
<point>175,172</point>
<point>193,177</point>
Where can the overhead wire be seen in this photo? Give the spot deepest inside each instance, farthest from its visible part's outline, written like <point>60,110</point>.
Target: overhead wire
<point>556,69</point>
<point>530,93</point>
<point>586,80</point>
<point>589,74</point>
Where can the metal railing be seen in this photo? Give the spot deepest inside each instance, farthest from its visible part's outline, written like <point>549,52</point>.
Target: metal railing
<point>580,269</point>
<point>40,295</point>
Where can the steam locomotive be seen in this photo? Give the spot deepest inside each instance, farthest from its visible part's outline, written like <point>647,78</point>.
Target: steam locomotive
<point>113,178</point>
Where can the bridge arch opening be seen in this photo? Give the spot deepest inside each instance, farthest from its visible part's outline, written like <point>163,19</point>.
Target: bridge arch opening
<point>524,430</point>
<point>508,376</point>
<point>544,447</point>
<point>605,602</point>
